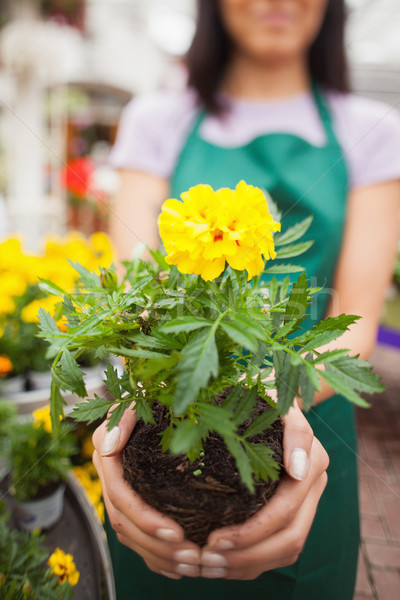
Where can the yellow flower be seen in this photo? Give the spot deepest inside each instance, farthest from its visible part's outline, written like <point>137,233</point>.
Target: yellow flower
<point>6,366</point>
<point>30,313</point>
<point>41,416</point>
<point>210,228</point>
<point>62,565</point>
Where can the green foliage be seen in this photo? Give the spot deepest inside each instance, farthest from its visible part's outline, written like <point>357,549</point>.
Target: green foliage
<point>37,457</point>
<point>23,566</point>
<point>186,341</point>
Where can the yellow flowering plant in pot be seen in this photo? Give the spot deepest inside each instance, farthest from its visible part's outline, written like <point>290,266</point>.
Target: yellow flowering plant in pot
<point>39,463</point>
<point>22,354</point>
<point>208,334</point>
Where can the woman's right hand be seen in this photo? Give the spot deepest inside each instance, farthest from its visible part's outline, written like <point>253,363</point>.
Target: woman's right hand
<point>158,539</point>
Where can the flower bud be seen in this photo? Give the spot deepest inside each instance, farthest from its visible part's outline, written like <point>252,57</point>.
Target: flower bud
<point>108,279</point>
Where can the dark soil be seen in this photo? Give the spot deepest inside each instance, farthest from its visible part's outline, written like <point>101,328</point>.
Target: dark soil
<point>200,504</point>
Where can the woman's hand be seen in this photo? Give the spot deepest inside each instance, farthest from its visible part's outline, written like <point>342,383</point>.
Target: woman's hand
<point>158,539</point>
<point>273,538</point>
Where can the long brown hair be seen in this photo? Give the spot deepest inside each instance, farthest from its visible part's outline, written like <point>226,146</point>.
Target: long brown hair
<point>209,53</point>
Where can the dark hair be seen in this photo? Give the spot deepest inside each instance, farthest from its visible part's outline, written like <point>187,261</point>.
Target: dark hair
<point>209,53</point>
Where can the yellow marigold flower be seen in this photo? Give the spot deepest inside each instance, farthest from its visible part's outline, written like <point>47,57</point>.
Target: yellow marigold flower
<point>210,228</point>
<point>6,366</point>
<point>62,565</point>
<point>103,249</point>
<point>41,416</point>
<point>30,313</point>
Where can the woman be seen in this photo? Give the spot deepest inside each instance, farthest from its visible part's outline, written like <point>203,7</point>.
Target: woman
<point>267,103</point>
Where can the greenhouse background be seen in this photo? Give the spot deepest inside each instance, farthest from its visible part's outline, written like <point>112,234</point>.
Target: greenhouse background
<point>64,80</point>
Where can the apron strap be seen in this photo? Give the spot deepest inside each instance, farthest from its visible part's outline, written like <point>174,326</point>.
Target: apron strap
<point>324,114</point>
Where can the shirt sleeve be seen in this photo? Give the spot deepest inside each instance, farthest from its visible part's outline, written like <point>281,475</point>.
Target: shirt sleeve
<point>369,132</point>
<point>152,131</point>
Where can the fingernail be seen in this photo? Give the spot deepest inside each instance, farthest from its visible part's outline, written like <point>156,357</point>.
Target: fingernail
<point>111,441</point>
<point>213,573</point>
<point>168,535</point>
<point>222,545</point>
<point>298,466</point>
<point>211,559</point>
<point>170,575</point>
<point>190,557</point>
<point>188,570</point>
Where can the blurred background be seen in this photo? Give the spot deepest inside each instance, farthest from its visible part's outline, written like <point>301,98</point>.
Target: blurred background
<point>67,67</point>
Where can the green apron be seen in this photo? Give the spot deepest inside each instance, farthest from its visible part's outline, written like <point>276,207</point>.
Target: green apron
<point>303,180</point>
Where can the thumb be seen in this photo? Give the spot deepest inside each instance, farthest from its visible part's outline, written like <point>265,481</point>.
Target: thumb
<point>116,438</point>
<point>297,441</point>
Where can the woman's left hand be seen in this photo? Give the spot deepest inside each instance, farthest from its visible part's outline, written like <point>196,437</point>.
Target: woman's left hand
<point>275,535</point>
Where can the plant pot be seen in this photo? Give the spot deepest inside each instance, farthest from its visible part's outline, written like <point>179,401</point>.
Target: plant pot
<point>41,513</point>
<point>199,502</point>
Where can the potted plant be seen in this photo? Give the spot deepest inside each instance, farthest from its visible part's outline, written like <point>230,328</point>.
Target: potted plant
<point>39,463</point>
<point>208,335</point>
<point>24,366</point>
<point>24,573</point>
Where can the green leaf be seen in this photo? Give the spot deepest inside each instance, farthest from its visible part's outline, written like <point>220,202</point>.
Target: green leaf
<point>293,233</point>
<point>186,435</point>
<point>90,280</point>
<point>286,329</point>
<point>166,437</point>
<point>257,330</point>
<point>185,324</point>
<point>92,410</point>
<point>198,363</point>
<point>320,339</point>
<point>286,268</point>
<point>239,334</point>
<point>287,382</point>
<point>246,405</point>
<point>306,384</point>
<point>340,386</point>
<point>242,462</point>
<point>143,410</point>
<point>293,250</point>
<point>138,353</point>
<point>48,325</point>
<point>157,365</point>
<point>298,299</point>
<point>116,415</point>
<point>73,374</point>
<point>262,422</point>
<point>216,419</point>
<point>330,356</point>
<point>263,465</point>
<point>48,286</point>
<point>112,382</point>
<point>355,373</point>
<point>57,403</point>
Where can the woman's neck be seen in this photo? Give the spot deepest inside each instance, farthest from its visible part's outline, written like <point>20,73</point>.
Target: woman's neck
<point>248,79</point>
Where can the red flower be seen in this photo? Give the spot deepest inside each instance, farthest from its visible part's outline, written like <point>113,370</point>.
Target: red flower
<point>76,176</point>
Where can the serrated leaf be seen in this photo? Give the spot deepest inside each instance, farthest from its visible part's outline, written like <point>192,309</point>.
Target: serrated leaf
<point>152,367</point>
<point>242,462</point>
<point>215,419</point>
<point>166,438</point>
<point>48,325</point>
<point>90,411</point>
<point>198,364</point>
<point>112,382</point>
<point>356,374</point>
<point>48,286</point>
<point>116,415</point>
<point>307,389</point>
<point>298,299</point>
<point>239,334</point>
<point>287,381</point>
<point>262,422</point>
<point>262,464</point>
<point>252,326</point>
<point>185,324</point>
<point>286,329</point>
<point>186,435</point>
<point>72,373</point>
<point>90,280</point>
<point>135,353</point>
<point>246,406</point>
<point>143,410</point>
<point>320,339</point>
<point>339,385</point>
<point>293,233</point>
<point>330,356</point>
<point>293,250</point>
